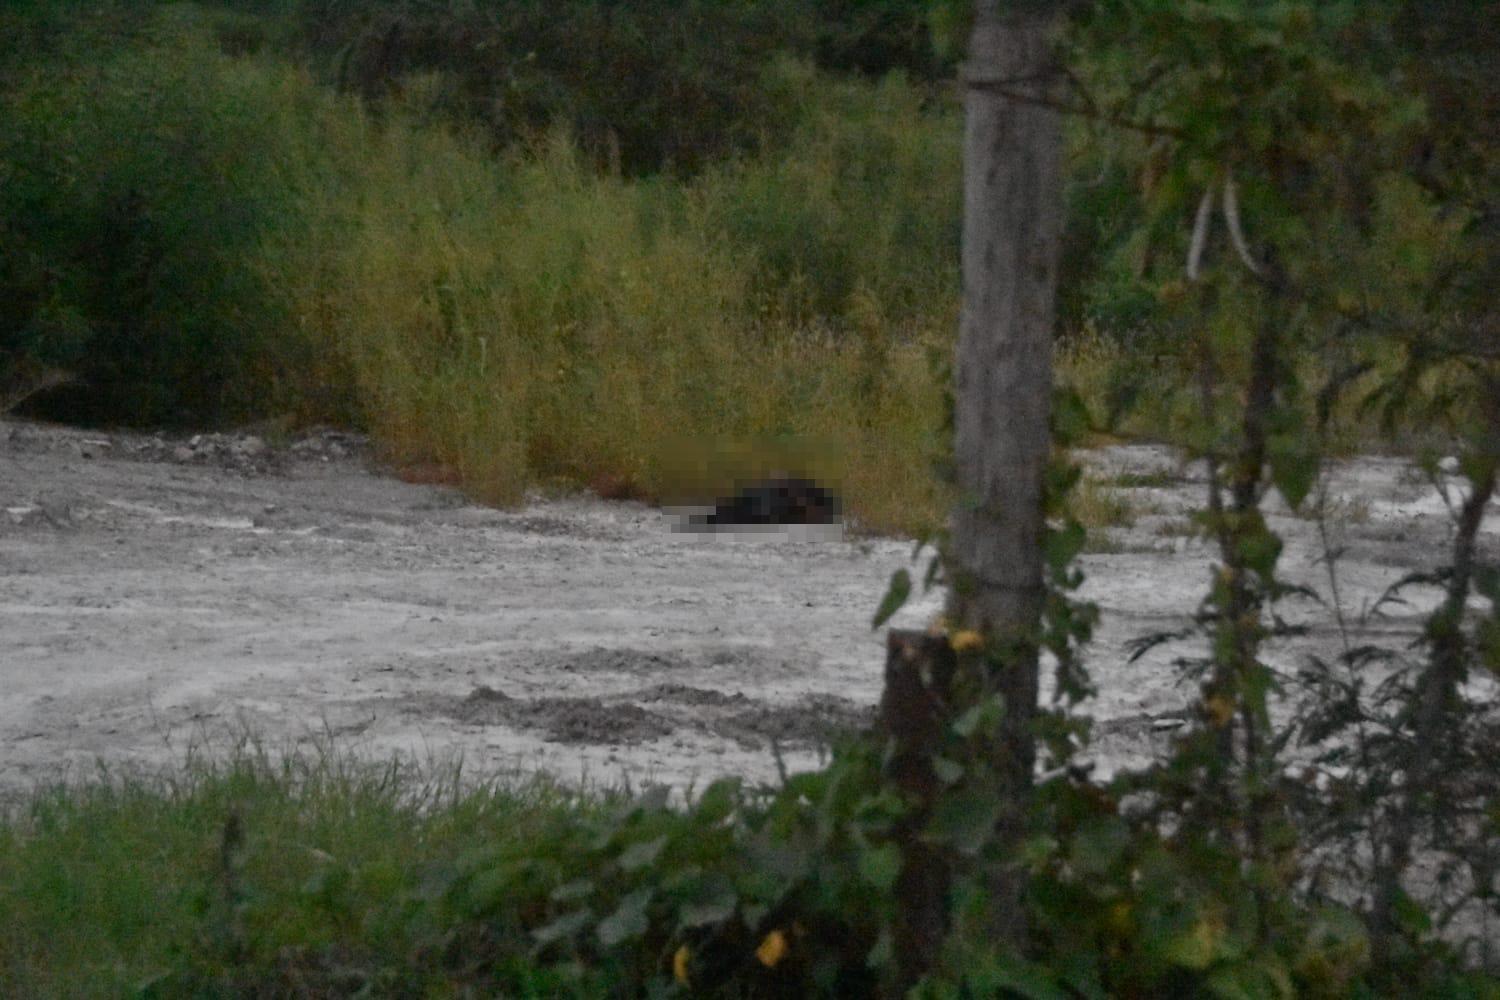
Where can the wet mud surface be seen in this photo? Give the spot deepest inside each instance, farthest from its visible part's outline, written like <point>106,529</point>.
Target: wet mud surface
<point>165,596</point>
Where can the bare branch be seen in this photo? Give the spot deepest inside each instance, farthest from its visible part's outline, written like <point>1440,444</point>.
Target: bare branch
<point>1200,234</point>
<point>1236,233</point>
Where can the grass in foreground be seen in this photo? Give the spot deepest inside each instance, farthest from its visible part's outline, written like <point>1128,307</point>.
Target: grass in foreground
<point>316,875</point>
<point>258,876</point>
<point>313,875</point>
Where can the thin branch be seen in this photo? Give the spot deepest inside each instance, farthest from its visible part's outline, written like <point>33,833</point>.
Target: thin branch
<point>1082,91</point>
<point>1137,90</point>
<point>1143,85</point>
<point>1001,87</point>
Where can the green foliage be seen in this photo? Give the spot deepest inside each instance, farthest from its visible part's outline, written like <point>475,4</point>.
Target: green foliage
<point>861,206</point>
<point>123,883</point>
<point>874,37</point>
<point>1284,216</point>
<point>316,873</point>
<point>647,86</point>
<point>894,599</point>
<point>134,187</point>
<point>210,233</point>
<point>282,251</point>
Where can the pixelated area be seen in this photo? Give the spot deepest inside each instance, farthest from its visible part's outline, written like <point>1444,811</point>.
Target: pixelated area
<point>768,503</point>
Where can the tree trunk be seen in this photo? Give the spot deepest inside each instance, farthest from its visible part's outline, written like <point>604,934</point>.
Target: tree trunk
<point>914,716</point>
<point>1003,370</point>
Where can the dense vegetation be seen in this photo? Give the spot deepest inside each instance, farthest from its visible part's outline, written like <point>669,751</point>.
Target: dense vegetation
<point>206,237</point>
<point>589,242</point>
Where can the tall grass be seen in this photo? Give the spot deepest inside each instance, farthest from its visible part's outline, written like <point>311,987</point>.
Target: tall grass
<point>531,321</point>
<point>859,210</point>
<point>270,247</point>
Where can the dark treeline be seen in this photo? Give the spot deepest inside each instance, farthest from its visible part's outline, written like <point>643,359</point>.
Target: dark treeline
<point>648,86</point>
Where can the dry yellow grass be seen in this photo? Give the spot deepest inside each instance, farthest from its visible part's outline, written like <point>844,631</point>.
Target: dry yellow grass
<point>533,323</point>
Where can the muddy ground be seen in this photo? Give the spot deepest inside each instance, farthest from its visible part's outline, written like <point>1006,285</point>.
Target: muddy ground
<point>161,596</point>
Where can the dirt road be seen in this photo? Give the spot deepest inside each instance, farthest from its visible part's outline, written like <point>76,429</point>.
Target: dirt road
<point>164,595</point>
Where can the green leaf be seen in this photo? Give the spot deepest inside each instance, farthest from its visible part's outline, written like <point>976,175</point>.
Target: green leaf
<point>1250,981</point>
<point>1294,469</point>
<point>1036,852</point>
<point>985,714</point>
<point>714,910</point>
<point>934,568</point>
<point>1260,548</point>
<point>1014,976</point>
<point>562,928</point>
<point>949,772</point>
<point>880,866</point>
<point>1195,947</point>
<point>965,820</point>
<point>1410,916</point>
<point>895,597</point>
<point>717,801</point>
<point>628,921</point>
<point>569,892</point>
<point>1064,544</point>
<point>1099,845</point>
<point>643,854</point>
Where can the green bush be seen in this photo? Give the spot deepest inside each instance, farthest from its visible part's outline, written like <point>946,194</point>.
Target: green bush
<point>862,203</point>
<point>315,874</point>
<point>135,187</point>
<point>644,87</point>
<point>648,86</point>
<point>876,37</point>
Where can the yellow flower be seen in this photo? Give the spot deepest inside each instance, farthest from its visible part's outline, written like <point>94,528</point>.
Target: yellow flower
<point>1219,710</point>
<point>772,950</point>
<point>966,641</point>
<point>680,964</point>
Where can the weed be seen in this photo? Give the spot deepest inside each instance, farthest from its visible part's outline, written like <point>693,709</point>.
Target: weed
<point>1099,506</point>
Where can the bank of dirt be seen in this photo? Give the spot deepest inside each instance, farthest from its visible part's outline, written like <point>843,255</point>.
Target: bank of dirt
<point>165,596</point>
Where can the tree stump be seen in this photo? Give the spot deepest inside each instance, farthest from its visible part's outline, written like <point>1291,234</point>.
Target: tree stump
<point>914,710</point>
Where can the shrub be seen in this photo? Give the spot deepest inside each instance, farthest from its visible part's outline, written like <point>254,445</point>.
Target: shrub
<point>861,204</point>
<point>135,186</point>
<point>645,87</point>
